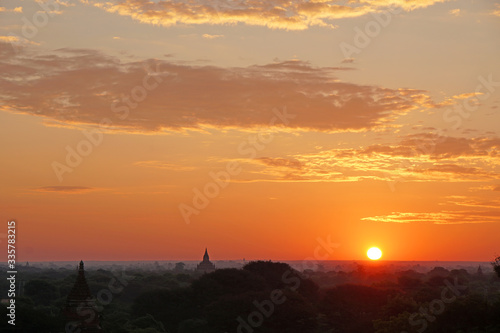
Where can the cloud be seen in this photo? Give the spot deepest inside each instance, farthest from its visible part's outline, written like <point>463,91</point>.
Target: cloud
<point>11,10</point>
<point>163,165</point>
<point>496,188</point>
<point>280,162</point>
<point>65,189</point>
<point>10,39</point>
<point>496,12</point>
<point>455,12</point>
<point>449,160</point>
<point>474,202</point>
<point>16,40</point>
<point>438,147</point>
<point>457,172</point>
<point>273,14</point>
<point>473,210</point>
<point>75,86</point>
<point>484,188</point>
<point>467,95</point>
<point>207,36</point>
<point>347,60</point>
<point>407,5</point>
<point>444,217</point>
<point>63,3</point>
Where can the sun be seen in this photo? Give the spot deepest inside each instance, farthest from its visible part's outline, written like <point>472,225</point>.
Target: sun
<point>374,253</point>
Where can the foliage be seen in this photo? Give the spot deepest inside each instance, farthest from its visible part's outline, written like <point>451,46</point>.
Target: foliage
<point>496,265</point>
<point>170,301</point>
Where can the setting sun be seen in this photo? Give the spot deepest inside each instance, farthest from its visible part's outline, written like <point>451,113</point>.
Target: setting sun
<point>374,253</point>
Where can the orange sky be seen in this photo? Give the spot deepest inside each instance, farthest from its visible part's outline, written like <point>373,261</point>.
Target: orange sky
<point>137,130</point>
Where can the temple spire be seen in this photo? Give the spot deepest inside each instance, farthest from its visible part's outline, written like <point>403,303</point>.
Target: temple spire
<point>80,310</point>
<point>205,266</point>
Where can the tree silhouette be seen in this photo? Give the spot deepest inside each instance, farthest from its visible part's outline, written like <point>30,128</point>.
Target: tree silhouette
<point>496,265</point>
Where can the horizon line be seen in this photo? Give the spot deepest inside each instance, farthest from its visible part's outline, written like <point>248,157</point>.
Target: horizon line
<point>274,260</point>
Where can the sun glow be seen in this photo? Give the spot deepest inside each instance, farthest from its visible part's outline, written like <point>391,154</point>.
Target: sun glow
<point>374,253</point>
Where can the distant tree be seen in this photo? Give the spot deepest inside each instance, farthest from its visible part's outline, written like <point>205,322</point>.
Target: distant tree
<point>41,292</point>
<point>439,271</point>
<point>463,314</point>
<point>168,306</point>
<point>147,322</point>
<point>145,330</point>
<point>115,320</point>
<point>272,272</point>
<point>29,319</point>
<point>496,265</point>
<point>193,326</point>
<point>295,315</point>
<point>228,281</point>
<point>409,282</point>
<point>397,323</point>
<point>436,281</point>
<point>183,277</point>
<point>179,267</point>
<point>397,304</point>
<point>280,275</point>
<point>352,308</point>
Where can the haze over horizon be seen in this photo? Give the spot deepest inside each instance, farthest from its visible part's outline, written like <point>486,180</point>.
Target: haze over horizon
<point>283,130</point>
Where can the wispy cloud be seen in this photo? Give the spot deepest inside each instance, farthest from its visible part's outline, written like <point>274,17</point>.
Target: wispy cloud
<point>448,159</point>
<point>68,3</point>
<point>65,189</point>
<point>496,11</point>
<point>444,217</point>
<point>17,40</point>
<point>11,10</point>
<point>280,162</point>
<point>477,202</point>
<point>164,165</point>
<point>457,172</point>
<point>347,60</point>
<point>208,36</point>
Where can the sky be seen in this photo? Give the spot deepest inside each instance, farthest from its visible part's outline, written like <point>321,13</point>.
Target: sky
<point>274,130</point>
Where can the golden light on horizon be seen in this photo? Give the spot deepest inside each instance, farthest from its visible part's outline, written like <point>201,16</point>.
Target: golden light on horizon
<point>374,253</point>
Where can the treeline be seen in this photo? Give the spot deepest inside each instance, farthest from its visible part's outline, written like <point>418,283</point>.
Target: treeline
<point>267,297</point>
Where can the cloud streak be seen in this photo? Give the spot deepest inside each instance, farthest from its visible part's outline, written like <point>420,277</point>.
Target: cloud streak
<point>65,189</point>
<point>11,10</point>
<point>444,217</point>
<point>208,36</point>
<point>163,165</point>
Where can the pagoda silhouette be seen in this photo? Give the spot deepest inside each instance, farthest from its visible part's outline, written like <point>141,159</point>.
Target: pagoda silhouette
<point>80,311</point>
<point>206,266</point>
